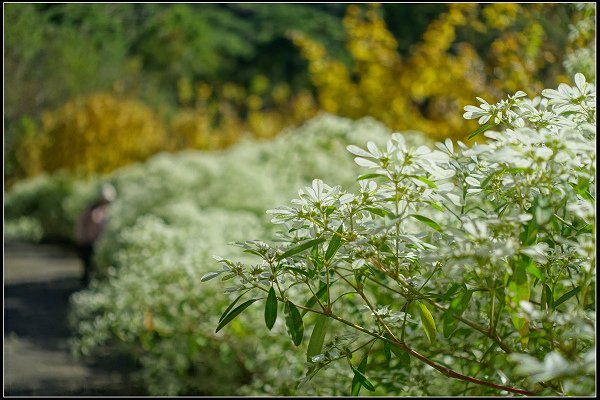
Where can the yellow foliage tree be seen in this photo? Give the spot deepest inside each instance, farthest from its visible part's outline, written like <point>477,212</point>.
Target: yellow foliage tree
<point>216,117</point>
<point>98,133</point>
<point>428,89</point>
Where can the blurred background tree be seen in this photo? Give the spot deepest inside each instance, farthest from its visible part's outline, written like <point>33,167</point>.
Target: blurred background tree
<point>213,73</point>
<point>469,50</point>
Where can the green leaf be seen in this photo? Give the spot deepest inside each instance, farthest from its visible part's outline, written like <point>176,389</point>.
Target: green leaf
<point>401,354</point>
<point>549,297</point>
<point>356,383</point>
<point>361,379</point>
<point>481,129</point>
<point>534,270</point>
<point>519,290</point>
<point>457,307</point>
<point>228,277</point>
<point>435,205</point>
<point>271,308</point>
<point>427,182</point>
<point>256,253</point>
<point>543,211</point>
<point>427,321</point>
<point>427,221</point>
<point>334,244</point>
<point>313,300</point>
<point>529,234</point>
<point>566,296</point>
<point>377,211</point>
<point>234,314</point>
<point>231,306</point>
<point>369,176</point>
<point>297,270</point>
<point>302,247</point>
<point>386,351</point>
<point>210,276</point>
<point>293,322</point>
<point>491,176</point>
<point>317,338</point>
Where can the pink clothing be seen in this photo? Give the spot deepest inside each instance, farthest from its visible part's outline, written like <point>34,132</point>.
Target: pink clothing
<point>90,224</point>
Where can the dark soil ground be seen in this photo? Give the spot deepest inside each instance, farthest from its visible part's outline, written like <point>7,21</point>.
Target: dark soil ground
<point>38,281</point>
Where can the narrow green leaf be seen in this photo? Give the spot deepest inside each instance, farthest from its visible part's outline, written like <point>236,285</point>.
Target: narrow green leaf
<point>386,351</point>
<point>401,354</point>
<point>329,210</point>
<point>334,244</point>
<point>317,338</point>
<point>271,308</point>
<point>491,176</point>
<point>543,211</point>
<point>427,321</point>
<point>377,211</point>
<point>427,182</point>
<point>369,176</point>
<point>435,205</point>
<point>457,307</point>
<point>534,270</point>
<point>566,296</point>
<point>231,306</point>
<point>256,253</point>
<point>234,314</point>
<point>293,322</point>
<point>210,275</point>
<point>302,247</point>
<point>363,380</point>
<point>549,297</point>
<point>355,386</point>
<point>313,300</point>
<point>228,277</point>
<point>297,270</point>
<point>356,382</point>
<point>452,291</point>
<point>481,129</point>
<point>518,290</point>
<point>427,221</point>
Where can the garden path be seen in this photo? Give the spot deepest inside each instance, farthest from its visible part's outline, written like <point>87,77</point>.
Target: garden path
<point>38,281</point>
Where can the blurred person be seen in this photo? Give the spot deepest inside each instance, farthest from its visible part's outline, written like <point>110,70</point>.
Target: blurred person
<point>89,226</point>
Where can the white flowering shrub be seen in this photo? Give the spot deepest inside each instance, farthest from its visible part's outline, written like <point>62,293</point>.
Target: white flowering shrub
<point>170,216</point>
<point>46,207</point>
<point>449,270</point>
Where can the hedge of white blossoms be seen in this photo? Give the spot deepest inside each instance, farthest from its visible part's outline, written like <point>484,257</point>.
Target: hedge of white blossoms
<point>172,213</point>
<point>478,262</point>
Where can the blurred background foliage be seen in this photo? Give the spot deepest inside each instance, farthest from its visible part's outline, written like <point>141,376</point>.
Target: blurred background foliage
<point>92,87</point>
<point>94,91</point>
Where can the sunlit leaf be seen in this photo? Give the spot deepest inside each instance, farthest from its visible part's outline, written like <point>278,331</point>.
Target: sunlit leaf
<point>427,321</point>
<point>481,129</point>
<point>334,244</point>
<point>428,222</point>
<point>302,247</point>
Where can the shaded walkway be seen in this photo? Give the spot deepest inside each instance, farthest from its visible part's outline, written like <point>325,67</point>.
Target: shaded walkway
<point>38,281</point>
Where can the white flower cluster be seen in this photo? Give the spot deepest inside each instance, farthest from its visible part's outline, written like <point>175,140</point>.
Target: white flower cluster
<point>578,101</point>
<point>512,218</point>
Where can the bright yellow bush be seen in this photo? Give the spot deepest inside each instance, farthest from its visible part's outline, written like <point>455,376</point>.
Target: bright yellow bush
<point>428,89</point>
<point>98,133</point>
